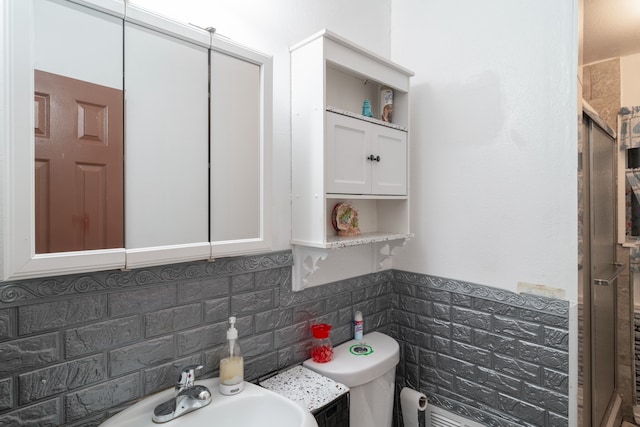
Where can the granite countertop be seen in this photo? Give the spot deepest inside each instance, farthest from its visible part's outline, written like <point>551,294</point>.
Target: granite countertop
<point>305,387</point>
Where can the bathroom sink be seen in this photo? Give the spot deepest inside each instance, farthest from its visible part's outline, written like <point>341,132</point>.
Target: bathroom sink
<point>254,406</point>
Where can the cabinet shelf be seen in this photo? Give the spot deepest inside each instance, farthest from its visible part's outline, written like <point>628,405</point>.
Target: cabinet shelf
<point>346,196</point>
<point>338,242</point>
<point>365,118</point>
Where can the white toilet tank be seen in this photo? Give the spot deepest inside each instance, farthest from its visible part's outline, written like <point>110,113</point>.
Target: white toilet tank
<point>369,371</point>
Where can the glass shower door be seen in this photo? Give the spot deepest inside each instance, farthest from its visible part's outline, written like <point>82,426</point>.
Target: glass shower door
<point>604,270</point>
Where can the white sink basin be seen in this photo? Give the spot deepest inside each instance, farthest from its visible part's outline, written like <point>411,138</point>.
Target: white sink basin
<point>254,406</point>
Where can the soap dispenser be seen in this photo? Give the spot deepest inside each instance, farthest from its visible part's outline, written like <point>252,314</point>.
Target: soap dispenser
<point>231,364</point>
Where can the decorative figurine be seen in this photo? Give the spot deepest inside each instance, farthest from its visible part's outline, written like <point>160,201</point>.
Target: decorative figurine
<point>345,219</point>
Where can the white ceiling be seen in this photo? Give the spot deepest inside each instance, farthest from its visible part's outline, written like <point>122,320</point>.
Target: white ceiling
<point>611,29</point>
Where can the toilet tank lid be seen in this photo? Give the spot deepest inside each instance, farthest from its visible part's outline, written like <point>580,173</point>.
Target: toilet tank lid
<point>352,369</point>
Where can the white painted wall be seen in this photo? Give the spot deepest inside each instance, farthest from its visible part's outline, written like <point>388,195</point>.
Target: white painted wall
<point>493,130</point>
<point>493,138</point>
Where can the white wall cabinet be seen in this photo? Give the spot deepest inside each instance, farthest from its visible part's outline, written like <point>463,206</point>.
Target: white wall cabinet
<point>339,155</point>
<point>166,147</point>
<point>365,158</point>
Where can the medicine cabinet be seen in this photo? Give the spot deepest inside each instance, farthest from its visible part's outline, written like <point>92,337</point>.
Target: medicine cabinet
<point>176,202</point>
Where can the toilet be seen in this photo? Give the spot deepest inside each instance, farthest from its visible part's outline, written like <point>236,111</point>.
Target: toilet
<point>368,368</point>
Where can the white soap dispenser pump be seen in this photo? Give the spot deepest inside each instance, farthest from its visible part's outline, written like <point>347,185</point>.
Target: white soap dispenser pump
<point>231,364</point>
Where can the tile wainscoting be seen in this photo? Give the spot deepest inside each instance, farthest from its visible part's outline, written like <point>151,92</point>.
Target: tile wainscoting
<point>489,355</point>
<point>76,349</point>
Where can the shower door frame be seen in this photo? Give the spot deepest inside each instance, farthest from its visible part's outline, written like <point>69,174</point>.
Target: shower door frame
<point>599,284</point>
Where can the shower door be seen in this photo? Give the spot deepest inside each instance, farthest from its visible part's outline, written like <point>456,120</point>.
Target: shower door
<point>603,270</point>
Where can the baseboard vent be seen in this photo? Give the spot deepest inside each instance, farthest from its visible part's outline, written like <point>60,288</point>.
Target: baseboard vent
<point>437,417</point>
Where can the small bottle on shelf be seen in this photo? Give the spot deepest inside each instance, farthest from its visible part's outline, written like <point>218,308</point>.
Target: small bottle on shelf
<point>366,108</point>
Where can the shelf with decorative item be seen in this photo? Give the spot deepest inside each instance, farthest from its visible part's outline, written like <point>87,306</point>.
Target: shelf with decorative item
<point>308,256</point>
<point>338,242</point>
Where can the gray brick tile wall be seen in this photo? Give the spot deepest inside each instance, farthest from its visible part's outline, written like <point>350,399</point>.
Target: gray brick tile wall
<point>543,318</point>
<point>472,318</point>
<point>52,380</point>
<point>555,420</point>
<point>47,413</point>
<point>28,353</point>
<point>471,354</point>
<point>493,307</point>
<point>108,338</point>
<point>140,301</point>
<point>100,397</point>
<point>102,335</point>
<point>7,323</point>
<point>547,399</point>
<point>498,382</point>
<point>554,380</point>
<point>455,366</point>
<point>517,368</point>
<point>203,289</point>
<point>253,302</point>
<point>506,362</point>
<point>141,355</point>
<point>217,309</point>
<point>518,329</point>
<point>58,314</point>
<point>242,283</point>
<point>172,319</point>
<point>196,339</point>
<point>545,356</point>
<point>442,311</point>
<point>496,343</point>
<point>480,394</point>
<point>517,408</point>
<point>6,394</point>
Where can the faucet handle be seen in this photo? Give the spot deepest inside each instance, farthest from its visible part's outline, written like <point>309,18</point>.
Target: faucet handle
<point>187,376</point>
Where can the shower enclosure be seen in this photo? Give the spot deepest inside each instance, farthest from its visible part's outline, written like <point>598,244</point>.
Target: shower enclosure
<point>598,272</point>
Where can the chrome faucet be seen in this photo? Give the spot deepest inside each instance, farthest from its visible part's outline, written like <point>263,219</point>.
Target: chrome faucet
<point>189,397</point>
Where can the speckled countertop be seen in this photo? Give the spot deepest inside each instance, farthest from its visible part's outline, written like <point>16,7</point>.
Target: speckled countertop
<point>361,117</point>
<point>309,389</point>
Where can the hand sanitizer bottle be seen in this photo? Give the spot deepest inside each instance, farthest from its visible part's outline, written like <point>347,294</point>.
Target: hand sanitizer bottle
<point>232,364</point>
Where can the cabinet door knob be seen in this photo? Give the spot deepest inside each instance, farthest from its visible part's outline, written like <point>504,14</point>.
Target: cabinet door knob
<point>374,158</point>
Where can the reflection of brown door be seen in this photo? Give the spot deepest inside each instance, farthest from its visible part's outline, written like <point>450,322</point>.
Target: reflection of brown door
<point>79,165</point>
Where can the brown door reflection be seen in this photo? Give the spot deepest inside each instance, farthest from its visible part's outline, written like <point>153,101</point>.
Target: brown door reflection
<point>78,165</point>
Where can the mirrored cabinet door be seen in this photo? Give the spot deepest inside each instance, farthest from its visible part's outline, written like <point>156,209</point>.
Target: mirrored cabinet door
<point>240,218</point>
<point>64,184</point>
<point>166,149</point>
<point>78,128</point>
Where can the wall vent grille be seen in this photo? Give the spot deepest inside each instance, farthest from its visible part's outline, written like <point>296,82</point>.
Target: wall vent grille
<point>437,417</point>
<point>441,421</point>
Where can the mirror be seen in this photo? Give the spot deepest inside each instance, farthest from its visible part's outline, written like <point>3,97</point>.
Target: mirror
<point>36,41</point>
<point>78,115</point>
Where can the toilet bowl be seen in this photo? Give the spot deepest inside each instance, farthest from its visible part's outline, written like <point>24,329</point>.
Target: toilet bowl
<point>368,368</point>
